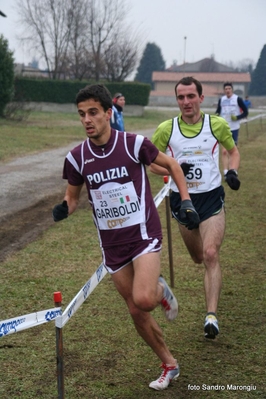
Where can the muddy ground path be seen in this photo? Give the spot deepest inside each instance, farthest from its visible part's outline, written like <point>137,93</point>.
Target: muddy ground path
<point>27,225</point>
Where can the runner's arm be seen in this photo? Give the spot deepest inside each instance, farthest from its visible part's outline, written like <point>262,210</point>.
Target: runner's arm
<point>158,170</point>
<point>160,139</point>
<point>218,110</point>
<point>72,197</point>
<point>234,158</point>
<point>170,166</point>
<point>243,106</point>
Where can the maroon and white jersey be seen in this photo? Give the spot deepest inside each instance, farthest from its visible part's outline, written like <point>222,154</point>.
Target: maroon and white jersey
<point>118,187</point>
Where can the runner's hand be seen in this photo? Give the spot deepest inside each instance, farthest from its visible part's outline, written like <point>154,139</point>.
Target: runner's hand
<point>188,215</point>
<point>232,179</point>
<point>233,118</point>
<point>186,167</point>
<point>60,211</point>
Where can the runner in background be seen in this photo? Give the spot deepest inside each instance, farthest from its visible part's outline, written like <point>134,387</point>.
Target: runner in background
<point>232,108</point>
<point>192,139</point>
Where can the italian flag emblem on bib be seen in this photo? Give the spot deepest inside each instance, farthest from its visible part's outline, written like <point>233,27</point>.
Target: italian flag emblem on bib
<point>124,199</point>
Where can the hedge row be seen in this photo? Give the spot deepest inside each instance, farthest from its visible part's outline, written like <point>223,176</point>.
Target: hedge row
<point>64,91</point>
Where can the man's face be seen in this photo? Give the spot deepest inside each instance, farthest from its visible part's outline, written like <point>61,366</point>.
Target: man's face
<point>95,120</point>
<point>228,91</point>
<point>188,100</point>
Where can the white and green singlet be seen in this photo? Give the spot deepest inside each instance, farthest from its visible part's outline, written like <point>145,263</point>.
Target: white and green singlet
<point>196,144</point>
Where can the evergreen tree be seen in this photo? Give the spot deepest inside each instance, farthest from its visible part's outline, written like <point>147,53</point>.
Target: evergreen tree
<point>6,74</point>
<point>152,60</point>
<point>258,77</point>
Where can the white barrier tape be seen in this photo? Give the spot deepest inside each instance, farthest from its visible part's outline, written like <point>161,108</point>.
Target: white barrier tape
<point>20,323</point>
<point>97,276</point>
<point>81,296</point>
<point>162,193</point>
<point>252,119</point>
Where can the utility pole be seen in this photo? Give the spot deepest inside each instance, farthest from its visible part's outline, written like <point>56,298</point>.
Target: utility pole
<point>185,41</point>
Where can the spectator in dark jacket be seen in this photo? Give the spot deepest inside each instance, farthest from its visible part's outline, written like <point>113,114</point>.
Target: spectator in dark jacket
<point>117,119</point>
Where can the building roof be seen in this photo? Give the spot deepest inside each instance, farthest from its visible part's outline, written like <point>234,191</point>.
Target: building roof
<point>203,77</point>
<point>206,89</point>
<point>204,65</point>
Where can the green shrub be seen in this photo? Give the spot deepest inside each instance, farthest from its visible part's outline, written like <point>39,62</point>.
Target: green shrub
<point>6,74</point>
<point>64,91</point>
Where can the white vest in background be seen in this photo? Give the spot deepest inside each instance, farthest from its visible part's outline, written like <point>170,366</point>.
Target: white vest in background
<point>229,106</point>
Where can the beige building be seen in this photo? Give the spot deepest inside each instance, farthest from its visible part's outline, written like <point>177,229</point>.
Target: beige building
<point>211,74</point>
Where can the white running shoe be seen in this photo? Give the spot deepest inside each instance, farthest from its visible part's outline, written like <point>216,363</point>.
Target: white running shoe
<point>169,302</point>
<point>211,328</point>
<point>169,373</point>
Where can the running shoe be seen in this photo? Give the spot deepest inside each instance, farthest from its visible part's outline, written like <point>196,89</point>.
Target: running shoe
<point>169,373</point>
<point>211,328</point>
<point>169,302</point>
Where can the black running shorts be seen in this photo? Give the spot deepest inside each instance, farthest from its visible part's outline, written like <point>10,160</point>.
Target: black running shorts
<point>206,204</point>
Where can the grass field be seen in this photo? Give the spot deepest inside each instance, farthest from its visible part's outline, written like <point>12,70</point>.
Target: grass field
<point>104,357</point>
<point>44,130</point>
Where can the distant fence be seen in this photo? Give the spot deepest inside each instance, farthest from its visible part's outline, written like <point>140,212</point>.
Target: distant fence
<point>260,116</point>
<point>253,118</point>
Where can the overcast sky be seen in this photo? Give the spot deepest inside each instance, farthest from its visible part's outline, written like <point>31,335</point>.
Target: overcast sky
<point>232,30</point>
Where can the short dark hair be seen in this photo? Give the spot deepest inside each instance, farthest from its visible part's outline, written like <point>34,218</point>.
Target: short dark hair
<point>228,84</point>
<point>187,81</point>
<point>98,93</point>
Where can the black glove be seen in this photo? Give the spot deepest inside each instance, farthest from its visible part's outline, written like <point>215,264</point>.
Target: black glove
<point>186,167</point>
<point>188,215</point>
<point>60,211</point>
<point>232,179</point>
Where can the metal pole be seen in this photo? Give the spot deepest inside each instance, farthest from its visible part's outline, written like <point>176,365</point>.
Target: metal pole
<point>185,41</point>
<point>59,351</point>
<point>169,235</point>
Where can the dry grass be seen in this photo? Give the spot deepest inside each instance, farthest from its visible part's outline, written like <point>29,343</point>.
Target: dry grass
<point>45,130</point>
<point>104,357</point>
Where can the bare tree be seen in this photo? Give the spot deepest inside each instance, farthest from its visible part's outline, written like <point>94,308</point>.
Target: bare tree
<point>81,38</point>
<point>246,65</point>
<point>101,44</point>
<point>47,29</point>
<point>79,57</point>
<point>105,18</point>
<point>120,57</point>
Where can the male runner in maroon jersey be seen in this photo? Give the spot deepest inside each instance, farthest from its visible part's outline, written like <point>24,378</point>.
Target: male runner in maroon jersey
<point>112,166</point>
